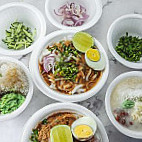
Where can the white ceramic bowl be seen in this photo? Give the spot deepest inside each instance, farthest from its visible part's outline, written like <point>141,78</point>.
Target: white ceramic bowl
<point>28,96</point>
<point>94,10</point>
<point>52,108</point>
<point>25,13</point>
<point>113,84</point>
<point>40,83</point>
<point>130,23</point>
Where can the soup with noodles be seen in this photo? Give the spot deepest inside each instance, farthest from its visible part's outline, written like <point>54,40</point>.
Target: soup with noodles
<point>64,69</point>
<point>42,132</point>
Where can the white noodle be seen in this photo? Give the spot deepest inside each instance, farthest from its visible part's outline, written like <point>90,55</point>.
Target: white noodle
<point>76,88</point>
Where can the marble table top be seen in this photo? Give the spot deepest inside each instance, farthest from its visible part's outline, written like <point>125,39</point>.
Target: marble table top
<point>10,131</point>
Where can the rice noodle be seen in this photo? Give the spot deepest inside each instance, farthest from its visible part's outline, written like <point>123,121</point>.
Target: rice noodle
<point>76,88</point>
<point>89,73</point>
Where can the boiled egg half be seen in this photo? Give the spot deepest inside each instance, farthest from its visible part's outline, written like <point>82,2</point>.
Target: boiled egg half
<point>84,128</point>
<point>95,59</point>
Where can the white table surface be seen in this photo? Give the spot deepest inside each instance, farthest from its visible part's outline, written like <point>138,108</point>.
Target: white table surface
<point>10,131</point>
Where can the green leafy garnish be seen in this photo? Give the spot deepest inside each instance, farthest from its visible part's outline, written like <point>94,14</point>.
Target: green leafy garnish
<point>19,36</point>
<point>128,104</point>
<point>34,135</point>
<point>130,48</point>
<point>63,68</point>
<point>44,121</point>
<point>0,75</point>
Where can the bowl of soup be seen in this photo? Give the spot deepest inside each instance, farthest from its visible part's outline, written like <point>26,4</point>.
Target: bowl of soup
<point>64,120</point>
<point>124,102</point>
<point>64,73</point>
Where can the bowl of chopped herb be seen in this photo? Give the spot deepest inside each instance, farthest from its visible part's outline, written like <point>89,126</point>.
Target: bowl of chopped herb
<point>21,27</point>
<point>124,40</point>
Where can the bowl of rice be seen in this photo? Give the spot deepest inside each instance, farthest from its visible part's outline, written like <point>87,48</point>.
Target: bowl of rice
<point>16,88</point>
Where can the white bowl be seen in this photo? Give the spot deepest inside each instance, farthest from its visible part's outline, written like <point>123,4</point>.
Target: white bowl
<point>40,83</point>
<point>130,23</point>
<point>125,131</point>
<point>25,13</point>
<point>52,108</point>
<point>28,96</point>
<point>94,10</point>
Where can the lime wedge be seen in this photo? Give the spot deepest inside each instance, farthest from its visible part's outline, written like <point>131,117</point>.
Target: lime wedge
<point>82,41</point>
<point>61,133</point>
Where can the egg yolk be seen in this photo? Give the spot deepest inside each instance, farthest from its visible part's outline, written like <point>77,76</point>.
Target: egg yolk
<point>83,131</point>
<point>93,54</point>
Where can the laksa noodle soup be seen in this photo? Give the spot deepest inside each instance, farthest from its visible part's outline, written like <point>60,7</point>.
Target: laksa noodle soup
<point>126,103</point>
<point>66,127</point>
<point>72,66</point>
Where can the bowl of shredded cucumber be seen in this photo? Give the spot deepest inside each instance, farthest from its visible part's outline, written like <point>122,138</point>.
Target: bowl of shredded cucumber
<point>20,31</point>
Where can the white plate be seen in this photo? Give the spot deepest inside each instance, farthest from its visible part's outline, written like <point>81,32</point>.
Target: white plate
<point>25,13</point>
<point>131,23</point>
<point>40,83</point>
<point>118,79</point>
<point>52,108</point>
<point>28,96</point>
<point>94,10</point>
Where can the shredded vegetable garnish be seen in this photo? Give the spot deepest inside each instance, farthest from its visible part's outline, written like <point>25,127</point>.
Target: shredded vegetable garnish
<point>73,14</point>
<point>19,36</point>
<point>127,104</point>
<point>10,102</point>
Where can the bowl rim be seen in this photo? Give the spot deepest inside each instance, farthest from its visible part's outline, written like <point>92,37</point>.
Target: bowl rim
<point>91,23</point>
<point>52,108</point>
<point>42,21</point>
<point>45,89</point>
<point>111,48</point>
<point>120,128</point>
<point>29,94</point>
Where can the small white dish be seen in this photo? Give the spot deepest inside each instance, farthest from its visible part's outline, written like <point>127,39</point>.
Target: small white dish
<point>29,94</point>
<point>44,88</point>
<point>130,23</point>
<point>118,79</point>
<point>25,13</point>
<point>93,7</point>
<point>57,107</point>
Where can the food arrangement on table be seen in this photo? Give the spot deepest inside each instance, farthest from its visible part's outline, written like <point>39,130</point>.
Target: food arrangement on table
<point>69,65</point>
<point>72,66</point>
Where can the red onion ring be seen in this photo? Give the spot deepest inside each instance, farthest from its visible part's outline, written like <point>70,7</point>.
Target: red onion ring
<point>73,14</point>
<point>48,62</point>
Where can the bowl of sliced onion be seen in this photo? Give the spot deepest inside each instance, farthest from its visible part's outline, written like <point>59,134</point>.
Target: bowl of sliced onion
<point>78,15</point>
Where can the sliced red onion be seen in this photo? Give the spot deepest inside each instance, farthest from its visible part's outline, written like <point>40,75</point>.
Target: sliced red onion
<point>58,14</point>
<point>68,22</point>
<point>73,14</point>
<point>48,62</point>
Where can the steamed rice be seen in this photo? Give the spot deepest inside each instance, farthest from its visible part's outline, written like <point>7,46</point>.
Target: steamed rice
<point>13,78</point>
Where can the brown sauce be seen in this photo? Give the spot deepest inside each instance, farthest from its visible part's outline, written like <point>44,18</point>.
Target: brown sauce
<point>93,78</point>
